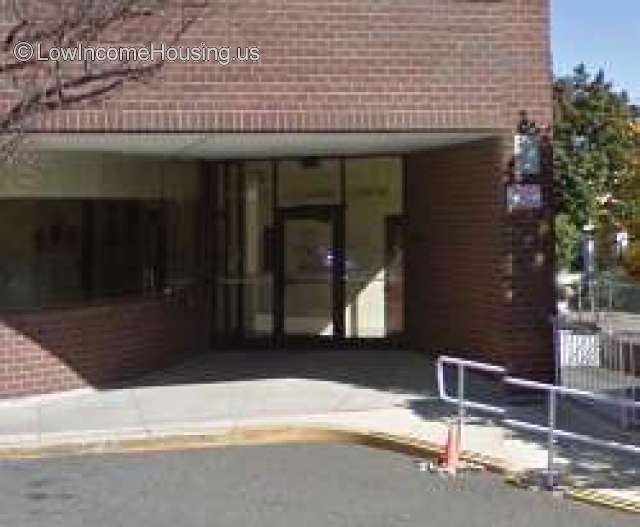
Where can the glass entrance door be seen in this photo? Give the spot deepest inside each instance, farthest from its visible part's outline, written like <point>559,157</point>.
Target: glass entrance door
<point>309,273</point>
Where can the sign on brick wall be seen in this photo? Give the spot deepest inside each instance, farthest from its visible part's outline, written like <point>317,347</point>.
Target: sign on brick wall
<point>527,155</point>
<point>521,196</point>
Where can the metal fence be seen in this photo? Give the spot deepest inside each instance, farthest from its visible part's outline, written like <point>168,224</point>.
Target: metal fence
<point>601,299</point>
<point>602,360</point>
<point>597,341</point>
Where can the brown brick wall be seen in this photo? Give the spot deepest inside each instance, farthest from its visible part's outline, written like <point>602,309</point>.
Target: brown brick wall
<point>528,278</point>
<point>453,215</point>
<point>69,348</point>
<point>479,280</point>
<point>526,42</point>
<point>346,65</point>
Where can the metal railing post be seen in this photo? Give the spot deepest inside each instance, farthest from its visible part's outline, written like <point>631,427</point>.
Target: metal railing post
<point>550,430</point>
<point>557,348</point>
<point>635,414</point>
<point>460,403</point>
<point>551,439</point>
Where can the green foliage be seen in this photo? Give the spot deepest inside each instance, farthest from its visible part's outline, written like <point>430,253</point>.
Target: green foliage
<point>595,159</point>
<point>567,242</point>
<point>594,148</point>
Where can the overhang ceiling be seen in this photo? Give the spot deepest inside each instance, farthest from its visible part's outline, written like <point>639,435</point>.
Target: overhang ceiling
<point>248,145</point>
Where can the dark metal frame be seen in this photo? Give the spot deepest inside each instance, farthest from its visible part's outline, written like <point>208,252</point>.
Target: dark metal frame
<point>334,215</point>
<point>278,338</point>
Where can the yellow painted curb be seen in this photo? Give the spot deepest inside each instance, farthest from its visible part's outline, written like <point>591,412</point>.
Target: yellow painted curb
<point>514,480</point>
<point>603,499</point>
<point>249,436</point>
<point>594,497</point>
<point>228,437</point>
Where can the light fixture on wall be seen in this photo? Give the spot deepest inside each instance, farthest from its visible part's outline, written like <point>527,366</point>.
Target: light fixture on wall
<point>527,148</point>
<point>524,191</point>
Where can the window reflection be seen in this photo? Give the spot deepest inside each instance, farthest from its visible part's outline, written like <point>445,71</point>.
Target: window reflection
<point>127,229</point>
<point>110,226</point>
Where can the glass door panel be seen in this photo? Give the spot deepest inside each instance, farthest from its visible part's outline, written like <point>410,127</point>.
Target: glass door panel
<point>308,277</point>
<point>309,272</point>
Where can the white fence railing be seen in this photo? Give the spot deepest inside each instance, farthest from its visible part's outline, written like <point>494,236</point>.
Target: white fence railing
<point>552,392</point>
<point>600,359</point>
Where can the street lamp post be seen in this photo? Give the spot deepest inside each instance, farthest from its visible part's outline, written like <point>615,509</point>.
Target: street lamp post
<point>589,264</point>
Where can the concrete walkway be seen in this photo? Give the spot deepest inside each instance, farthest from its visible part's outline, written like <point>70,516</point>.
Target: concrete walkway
<point>379,391</point>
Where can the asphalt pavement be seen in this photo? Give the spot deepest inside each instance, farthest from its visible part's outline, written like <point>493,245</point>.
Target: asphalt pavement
<point>309,485</point>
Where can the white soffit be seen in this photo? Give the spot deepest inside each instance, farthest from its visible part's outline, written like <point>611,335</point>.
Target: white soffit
<point>247,145</point>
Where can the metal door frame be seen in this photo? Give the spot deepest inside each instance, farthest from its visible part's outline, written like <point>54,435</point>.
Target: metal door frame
<point>334,215</point>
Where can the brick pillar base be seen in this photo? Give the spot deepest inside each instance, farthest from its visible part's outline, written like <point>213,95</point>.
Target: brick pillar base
<point>94,346</point>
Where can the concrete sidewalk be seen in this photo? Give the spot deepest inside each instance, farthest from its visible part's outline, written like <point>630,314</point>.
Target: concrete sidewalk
<point>388,392</point>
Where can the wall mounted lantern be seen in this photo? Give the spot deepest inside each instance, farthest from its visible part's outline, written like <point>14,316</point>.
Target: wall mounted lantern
<point>523,191</point>
<point>527,152</point>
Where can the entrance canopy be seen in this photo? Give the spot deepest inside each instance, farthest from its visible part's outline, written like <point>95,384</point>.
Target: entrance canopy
<point>296,234</point>
<point>256,146</point>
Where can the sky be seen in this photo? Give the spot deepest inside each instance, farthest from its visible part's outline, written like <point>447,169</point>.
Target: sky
<point>600,33</point>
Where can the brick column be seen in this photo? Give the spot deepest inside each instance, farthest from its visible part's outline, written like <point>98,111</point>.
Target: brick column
<point>479,279</point>
<point>528,282</point>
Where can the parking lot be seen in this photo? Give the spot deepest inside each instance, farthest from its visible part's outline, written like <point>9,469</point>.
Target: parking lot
<point>305,484</point>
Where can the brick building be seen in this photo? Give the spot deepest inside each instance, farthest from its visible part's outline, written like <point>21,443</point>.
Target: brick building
<point>358,183</point>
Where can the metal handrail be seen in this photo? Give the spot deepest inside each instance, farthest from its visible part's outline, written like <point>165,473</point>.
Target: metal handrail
<point>463,364</point>
<point>552,392</point>
<point>459,400</point>
<point>553,432</point>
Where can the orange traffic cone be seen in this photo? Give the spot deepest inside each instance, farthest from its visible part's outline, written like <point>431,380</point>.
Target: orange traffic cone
<point>451,454</point>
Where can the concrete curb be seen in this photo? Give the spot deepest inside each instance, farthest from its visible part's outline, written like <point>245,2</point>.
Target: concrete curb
<point>238,436</point>
<point>593,497</point>
<point>603,499</point>
<point>227,437</point>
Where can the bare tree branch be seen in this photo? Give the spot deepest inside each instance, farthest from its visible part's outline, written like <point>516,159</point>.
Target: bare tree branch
<point>39,87</point>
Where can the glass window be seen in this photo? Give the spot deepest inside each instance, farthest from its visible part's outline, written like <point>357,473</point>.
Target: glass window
<point>374,304</point>
<point>179,212</point>
<point>243,198</point>
<point>258,225</point>
<point>310,181</point>
<point>128,228</point>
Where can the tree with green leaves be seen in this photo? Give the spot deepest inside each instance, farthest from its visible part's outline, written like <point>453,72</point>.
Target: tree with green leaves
<point>595,159</point>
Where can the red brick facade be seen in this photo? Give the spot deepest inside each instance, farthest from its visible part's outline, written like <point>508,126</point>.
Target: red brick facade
<point>479,279</point>
<point>72,348</point>
<point>346,65</point>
